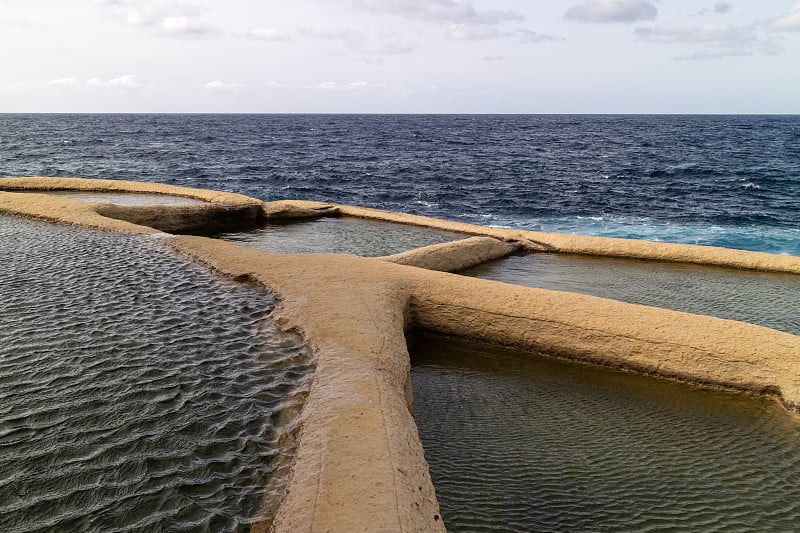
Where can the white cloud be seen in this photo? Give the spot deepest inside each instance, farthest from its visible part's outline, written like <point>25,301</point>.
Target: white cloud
<point>268,34</point>
<point>353,86</point>
<point>362,86</point>
<point>161,18</point>
<point>533,37</point>
<point>493,59</point>
<point>363,43</point>
<point>790,21</point>
<point>217,84</point>
<point>469,32</point>
<point>18,85</point>
<point>62,81</point>
<point>719,41</point>
<point>184,25</point>
<point>274,85</point>
<point>128,81</point>
<point>443,11</point>
<point>609,11</point>
<point>464,32</point>
<point>715,53</point>
<point>707,33</point>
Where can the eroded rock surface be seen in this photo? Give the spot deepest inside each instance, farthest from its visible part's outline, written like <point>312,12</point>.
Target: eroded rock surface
<point>359,464</point>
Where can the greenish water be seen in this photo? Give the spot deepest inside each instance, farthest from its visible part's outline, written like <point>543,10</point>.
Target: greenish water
<point>766,299</point>
<point>523,443</point>
<point>369,238</point>
<point>138,392</point>
<point>126,198</point>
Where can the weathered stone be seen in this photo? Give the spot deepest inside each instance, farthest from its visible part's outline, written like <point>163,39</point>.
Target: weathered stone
<point>456,255</point>
<point>359,463</point>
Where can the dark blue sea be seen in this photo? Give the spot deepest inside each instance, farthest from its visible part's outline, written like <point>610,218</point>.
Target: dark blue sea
<point>713,180</point>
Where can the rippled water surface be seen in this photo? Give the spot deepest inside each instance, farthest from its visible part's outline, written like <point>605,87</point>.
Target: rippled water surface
<point>137,391</point>
<point>766,299</point>
<point>519,443</point>
<point>341,235</point>
<point>127,198</point>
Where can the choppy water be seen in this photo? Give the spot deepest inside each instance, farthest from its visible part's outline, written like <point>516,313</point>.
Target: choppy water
<point>720,180</point>
<point>766,299</point>
<point>137,391</point>
<point>368,238</point>
<point>518,443</point>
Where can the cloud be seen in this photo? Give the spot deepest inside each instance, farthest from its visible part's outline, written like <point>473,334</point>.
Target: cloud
<point>463,21</point>
<point>610,11</point>
<point>493,59</point>
<point>707,33</point>
<point>161,18</point>
<point>18,85</point>
<point>216,85</point>
<point>442,11</point>
<point>353,86</point>
<point>363,43</point>
<point>533,37</point>
<point>790,21</point>
<point>719,41</point>
<point>469,32</point>
<point>464,32</point>
<point>715,53</point>
<point>720,8</point>
<point>128,81</point>
<point>268,34</point>
<point>63,81</point>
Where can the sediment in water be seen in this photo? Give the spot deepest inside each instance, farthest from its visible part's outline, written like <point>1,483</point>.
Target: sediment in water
<point>359,462</point>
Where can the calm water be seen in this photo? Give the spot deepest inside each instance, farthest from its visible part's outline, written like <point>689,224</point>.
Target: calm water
<point>518,443</point>
<point>771,300</point>
<point>137,391</point>
<point>125,198</point>
<point>722,180</point>
<point>369,238</point>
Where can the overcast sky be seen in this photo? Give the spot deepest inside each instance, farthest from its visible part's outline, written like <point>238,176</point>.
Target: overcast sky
<point>400,56</point>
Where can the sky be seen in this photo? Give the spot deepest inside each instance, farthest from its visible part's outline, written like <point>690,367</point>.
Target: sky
<point>400,56</point>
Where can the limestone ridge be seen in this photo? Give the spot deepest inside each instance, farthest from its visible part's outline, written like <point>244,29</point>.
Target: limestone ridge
<point>359,463</point>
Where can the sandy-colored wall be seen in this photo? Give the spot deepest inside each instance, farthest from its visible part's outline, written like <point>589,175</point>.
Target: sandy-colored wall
<point>221,212</point>
<point>359,464</point>
<point>535,241</point>
<point>456,255</point>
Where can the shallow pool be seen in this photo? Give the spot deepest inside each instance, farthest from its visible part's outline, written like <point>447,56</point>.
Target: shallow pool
<point>137,391</point>
<point>523,443</point>
<point>125,198</point>
<point>370,238</point>
<point>766,299</point>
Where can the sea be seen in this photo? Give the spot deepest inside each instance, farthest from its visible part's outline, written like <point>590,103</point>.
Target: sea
<point>731,181</point>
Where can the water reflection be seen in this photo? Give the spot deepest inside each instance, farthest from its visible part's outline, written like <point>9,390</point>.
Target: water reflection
<point>766,299</point>
<point>523,443</point>
<point>369,238</point>
<point>125,198</point>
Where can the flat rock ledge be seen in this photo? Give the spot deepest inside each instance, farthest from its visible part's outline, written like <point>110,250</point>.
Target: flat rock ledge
<point>220,211</point>
<point>456,255</point>
<point>359,464</point>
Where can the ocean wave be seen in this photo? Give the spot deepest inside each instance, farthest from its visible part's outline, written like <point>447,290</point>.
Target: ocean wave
<point>755,237</point>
